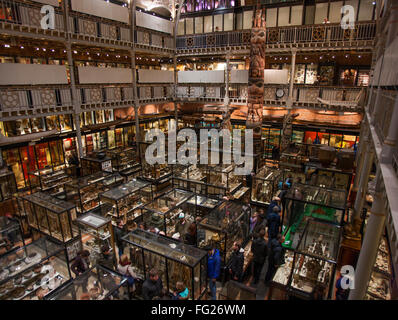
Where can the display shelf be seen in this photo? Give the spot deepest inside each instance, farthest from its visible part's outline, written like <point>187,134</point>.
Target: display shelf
<point>42,264</point>
<point>51,216</point>
<point>8,184</point>
<point>11,235</point>
<point>265,185</point>
<point>328,177</point>
<point>95,232</point>
<point>174,261</point>
<point>127,199</point>
<point>224,225</point>
<point>97,162</point>
<point>98,283</point>
<point>304,200</point>
<point>52,179</point>
<point>164,211</point>
<point>84,191</point>
<point>379,286</point>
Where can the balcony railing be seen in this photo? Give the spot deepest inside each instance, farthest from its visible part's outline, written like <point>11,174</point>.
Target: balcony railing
<point>14,102</point>
<point>157,93</point>
<point>384,112</point>
<point>324,33</point>
<point>27,16</point>
<point>24,17</point>
<point>302,94</point>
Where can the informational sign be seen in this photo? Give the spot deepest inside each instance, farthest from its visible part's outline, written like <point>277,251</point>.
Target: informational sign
<point>107,166</point>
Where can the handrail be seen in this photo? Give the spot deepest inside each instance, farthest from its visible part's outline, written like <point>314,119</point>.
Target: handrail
<point>281,35</point>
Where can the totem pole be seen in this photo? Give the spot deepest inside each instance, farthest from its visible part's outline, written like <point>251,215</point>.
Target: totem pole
<point>256,77</point>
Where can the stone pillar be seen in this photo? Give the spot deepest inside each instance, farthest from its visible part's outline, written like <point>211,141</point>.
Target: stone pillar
<point>359,160</point>
<point>367,256</point>
<point>75,101</point>
<point>363,181</point>
<point>391,141</point>
<point>292,72</point>
<point>134,74</point>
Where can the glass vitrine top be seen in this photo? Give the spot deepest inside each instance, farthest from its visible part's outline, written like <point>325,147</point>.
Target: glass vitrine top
<point>125,189</point>
<point>19,260</point>
<point>51,203</point>
<point>317,195</point>
<point>320,239</point>
<point>169,201</point>
<point>267,173</point>
<point>7,224</point>
<point>110,281</point>
<point>204,202</point>
<point>223,215</point>
<point>166,247</point>
<point>93,159</point>
<point>92,220</point>
<point>88,180</point>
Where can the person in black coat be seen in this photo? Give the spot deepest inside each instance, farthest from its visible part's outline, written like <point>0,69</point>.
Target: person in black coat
<point>118,232</point>
<point>276,256</point>
<point>81,263</point>
<point>259,249</point>
<point>237,261</point>
<point>153,286</point>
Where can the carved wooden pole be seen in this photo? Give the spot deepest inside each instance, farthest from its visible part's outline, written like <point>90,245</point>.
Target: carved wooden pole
<point>256,77</point>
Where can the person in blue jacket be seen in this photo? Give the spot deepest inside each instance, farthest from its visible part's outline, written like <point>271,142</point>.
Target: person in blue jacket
<point>274,203</point>
<point>213,269</point>
<point>274,222</point>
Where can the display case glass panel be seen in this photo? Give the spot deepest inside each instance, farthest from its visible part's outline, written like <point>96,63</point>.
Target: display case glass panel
<point>8,184</point>
<point>174,260</point>
<point>96,231</point>
<point>84,191</point>
<point>126,200</point>
<point>33,270</point>
<point>165,211</point>
<point>265,184</point>
<point>222,176</point>
<point>98,283</point>
<point>303,200</point>
<point>54,217</point>
<point>314,264</point>
<point>11,235</point>
<point>223,226</point>
<point>156,172</point>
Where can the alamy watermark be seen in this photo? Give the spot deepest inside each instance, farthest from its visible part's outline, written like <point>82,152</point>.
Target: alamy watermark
<point>188,151</point>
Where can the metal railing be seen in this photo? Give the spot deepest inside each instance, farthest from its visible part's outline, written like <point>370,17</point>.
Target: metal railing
<point>43,97</point>
<point>323,33</point>
<point>301,93</point>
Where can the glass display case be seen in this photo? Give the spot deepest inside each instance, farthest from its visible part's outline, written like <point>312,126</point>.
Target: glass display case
<point>328,177</point>
<point>174,261</point>
<point>51,216</point>
<point>303,200</point>
<point>203,205</point>
<point>52,180</point>
<point>98,283</point>
<point>84,191</point>
<point>278,284</point>
<point>265,185</point>
<point>11,235</point>
<point>164,213</point>
<point>95,232</point>
<point>156,172</point>
<point>33,271</point>
<point>222,177</point>
<point>189,177</point>
<point>311,267</point>
<point>8,184</point>
<point>126,200</point>
<point>96,163</point>
<point>125,161</point>
<point>223,226</point>
<point>379,286</point>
